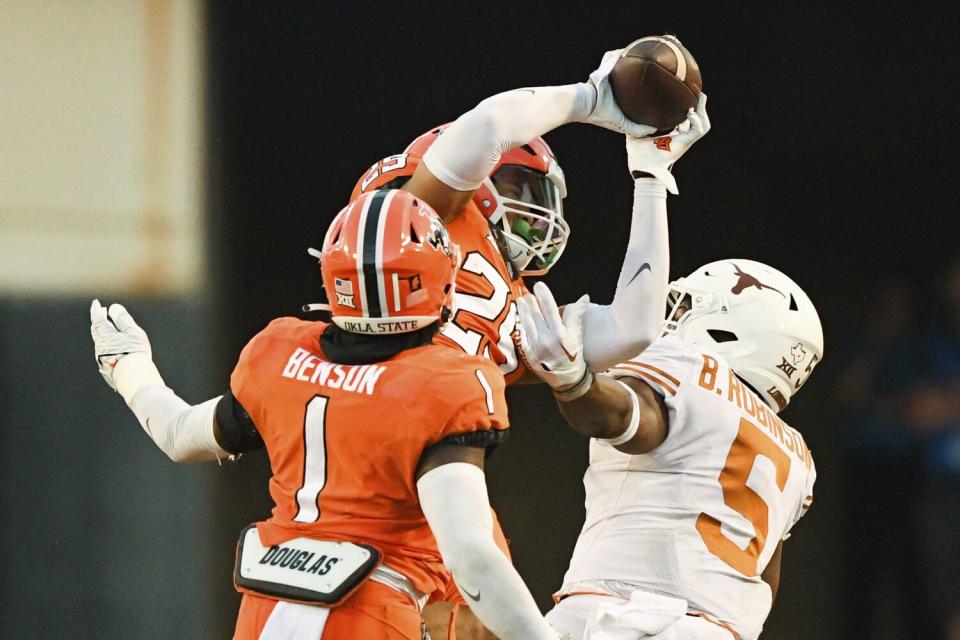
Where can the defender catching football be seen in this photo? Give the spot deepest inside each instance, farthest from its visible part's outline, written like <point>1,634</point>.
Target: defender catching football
<point>500,189</point>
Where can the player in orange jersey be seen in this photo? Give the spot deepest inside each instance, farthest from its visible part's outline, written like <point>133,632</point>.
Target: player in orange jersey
<point>527,187</point>
<point>500,188</point>
<point>376,439</point>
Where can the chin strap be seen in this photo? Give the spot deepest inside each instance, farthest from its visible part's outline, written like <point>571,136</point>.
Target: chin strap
<point>318,306</point>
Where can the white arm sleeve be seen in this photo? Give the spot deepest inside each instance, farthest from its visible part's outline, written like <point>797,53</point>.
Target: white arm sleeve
<point>454,500</point>
<point>465,154</point>
<point>183,432</point>
<point>619,331</point>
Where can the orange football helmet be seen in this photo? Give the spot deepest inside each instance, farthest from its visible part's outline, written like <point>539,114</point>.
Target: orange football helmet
<point>388,265</point>
<point>523,196</point>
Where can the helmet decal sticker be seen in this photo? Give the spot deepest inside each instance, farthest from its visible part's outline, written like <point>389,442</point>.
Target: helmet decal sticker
<point>439,239</point>
<point>798,353</point>
<point>344,290</point>
<point>778,398</point>
<point>746,281</point>
<point>787,368</point>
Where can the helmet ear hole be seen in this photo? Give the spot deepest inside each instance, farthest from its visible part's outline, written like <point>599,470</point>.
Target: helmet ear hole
<point>793,303</point>
<point>720,335</point>
<point>413,235</point>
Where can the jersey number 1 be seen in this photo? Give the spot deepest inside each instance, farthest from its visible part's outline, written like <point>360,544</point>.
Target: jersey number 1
<point>749,446</point>
<point>314,460</point>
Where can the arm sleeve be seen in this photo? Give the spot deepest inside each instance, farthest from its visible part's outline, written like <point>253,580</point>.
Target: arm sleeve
<point>454,500</point>
<point>621,330</point>
<point>182,431</point>
<point>466,153</point>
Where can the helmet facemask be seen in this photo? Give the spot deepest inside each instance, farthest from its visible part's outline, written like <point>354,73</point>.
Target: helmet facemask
<point>529,212</point>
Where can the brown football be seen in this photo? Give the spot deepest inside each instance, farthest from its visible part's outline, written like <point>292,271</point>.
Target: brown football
<point>656,81</point>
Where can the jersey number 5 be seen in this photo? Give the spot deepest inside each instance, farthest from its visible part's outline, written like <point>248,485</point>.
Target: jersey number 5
<point>747,449</point>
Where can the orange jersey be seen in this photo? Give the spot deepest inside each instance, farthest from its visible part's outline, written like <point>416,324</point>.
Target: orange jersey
<point>344,441</point>
<point>486,296</point>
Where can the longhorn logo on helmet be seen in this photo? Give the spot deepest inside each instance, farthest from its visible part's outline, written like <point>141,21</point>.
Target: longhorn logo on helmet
<point>746,281</point>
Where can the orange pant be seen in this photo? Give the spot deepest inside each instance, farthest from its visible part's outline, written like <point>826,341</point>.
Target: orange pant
<point>373,611</point>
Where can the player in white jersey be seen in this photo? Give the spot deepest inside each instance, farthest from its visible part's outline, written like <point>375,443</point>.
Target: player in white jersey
<point>694,482</point>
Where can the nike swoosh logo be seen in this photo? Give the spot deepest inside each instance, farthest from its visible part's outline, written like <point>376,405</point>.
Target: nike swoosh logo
<point>645,265</point>
<point>571,358</point>
<point>475,598</point>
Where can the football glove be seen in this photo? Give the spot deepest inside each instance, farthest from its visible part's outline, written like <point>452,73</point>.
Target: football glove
<point>657,155</point>
<point>551,344</point>
<point>122,350</point>
<point>606,113</point>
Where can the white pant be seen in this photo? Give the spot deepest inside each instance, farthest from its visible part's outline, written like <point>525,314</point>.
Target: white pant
<point>571,614</point>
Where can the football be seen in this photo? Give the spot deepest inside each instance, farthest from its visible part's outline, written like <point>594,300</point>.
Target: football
<point>655,81</point>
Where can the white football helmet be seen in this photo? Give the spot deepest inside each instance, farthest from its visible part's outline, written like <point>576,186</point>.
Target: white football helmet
<point>757,318</point>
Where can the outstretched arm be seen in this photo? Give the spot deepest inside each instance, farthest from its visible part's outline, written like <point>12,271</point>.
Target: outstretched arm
<point>624,328</point>
<point>618,331</point>
<point>461,159</point>
<point>208,431</point>
<point>465,154</point>
<point>627,414</point>
<point>453,496</point>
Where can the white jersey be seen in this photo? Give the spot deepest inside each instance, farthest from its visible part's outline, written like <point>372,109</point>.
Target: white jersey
<point>699,517</point>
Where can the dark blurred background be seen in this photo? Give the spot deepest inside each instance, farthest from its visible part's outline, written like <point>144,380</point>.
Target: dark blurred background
<point>832,156</point>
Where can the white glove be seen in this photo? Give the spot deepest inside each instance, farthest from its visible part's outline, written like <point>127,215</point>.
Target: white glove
<point>551,345</point>
<point>657,155</point>
<point>606,113</point>
<point>117,340</point>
